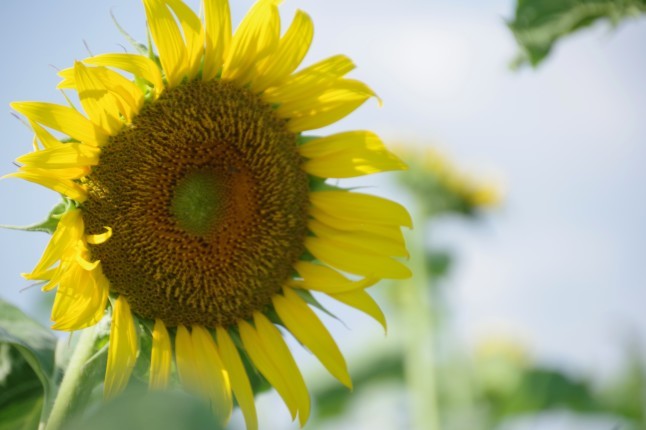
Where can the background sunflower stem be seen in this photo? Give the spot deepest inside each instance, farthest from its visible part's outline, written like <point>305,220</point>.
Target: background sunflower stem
<point>419,322</point>
<point>72,380</point>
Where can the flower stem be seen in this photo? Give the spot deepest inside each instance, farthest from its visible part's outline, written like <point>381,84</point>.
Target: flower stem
<point>419,360</point>
<point>71,383</point>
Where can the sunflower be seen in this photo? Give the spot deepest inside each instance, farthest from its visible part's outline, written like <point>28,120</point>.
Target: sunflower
<point>198,210</point>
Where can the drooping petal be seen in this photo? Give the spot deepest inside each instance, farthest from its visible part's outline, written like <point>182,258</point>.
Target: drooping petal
<point>161,357</point>
<point>291,50</point>
<point>362,301</point>
<point>217,19</point>
<point>255,38</point>
<point>355,260</point>
<point>239,378</point>
<point>80,300</point>
<point>365,208</point>
<point>322,278</point>
<point>123,350</point>
<point>215,378</point>
<point>98,239</point>
<point>168,39</point>
<point>69,231</point>
<point>303,323</point>
<point>63,119</point>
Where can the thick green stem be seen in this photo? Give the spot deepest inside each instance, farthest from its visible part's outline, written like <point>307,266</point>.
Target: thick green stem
<point>71,383</point>
<point>419,360</point>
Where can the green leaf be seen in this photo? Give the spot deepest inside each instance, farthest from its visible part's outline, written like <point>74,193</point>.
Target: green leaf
<point>539,24</point>
<point>36,345</point>
<point>49,224</point>
<point>21,393</point>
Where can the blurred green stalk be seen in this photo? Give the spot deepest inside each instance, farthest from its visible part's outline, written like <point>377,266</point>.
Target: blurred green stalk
<point>419,341</point>
<point>72,381</point>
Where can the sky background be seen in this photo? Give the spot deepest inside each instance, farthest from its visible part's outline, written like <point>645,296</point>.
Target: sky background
<point>560,266</point>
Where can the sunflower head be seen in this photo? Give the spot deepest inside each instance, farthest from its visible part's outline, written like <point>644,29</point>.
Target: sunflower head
<point>200,209</point>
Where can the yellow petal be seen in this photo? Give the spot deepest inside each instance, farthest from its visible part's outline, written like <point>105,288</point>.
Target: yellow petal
<point>303,323</point>
<point>392,232</point>
<point>322,278</point>
<point>265,361</point>
<point>360,241</point>
<point>350,260</point>
<point>217,19</point>
<point>44,136</point>
<point>62,156</point>
<point>138,65</point>
<point>98,239</point>
<point>349,154</point>
<point>362,301</point>
<point>64,186</point>
<point>193,35</point>
<point>161,357</point>
<point>80,300</point>
<point>255,38</point>
<point>123,350</point>
<point>273,342</point>
<point>63,119</point>
<point>335,103</point>
<point>335,143</point>
<point>360,207</point>
<point>291,50</point>
<point>187,362</point>
<point>97,102</point>
<point>215,378</point>
<point>309,82</point>
<point>239,378</point>
<point>68,232</point>
<point>168,39</point>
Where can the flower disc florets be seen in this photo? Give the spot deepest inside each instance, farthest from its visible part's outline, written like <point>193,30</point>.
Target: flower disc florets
<point>208,203</point>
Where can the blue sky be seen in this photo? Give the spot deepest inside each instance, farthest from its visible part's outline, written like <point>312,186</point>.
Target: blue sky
<point>561,266</point>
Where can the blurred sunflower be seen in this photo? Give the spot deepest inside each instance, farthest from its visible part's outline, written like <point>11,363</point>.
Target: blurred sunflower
<point>196,205</point>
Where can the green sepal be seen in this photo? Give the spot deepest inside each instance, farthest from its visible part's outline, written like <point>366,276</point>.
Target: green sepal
<point>311,300</point>
<point>139,47</point>
<point>300,140</point>
<point>49,224</point>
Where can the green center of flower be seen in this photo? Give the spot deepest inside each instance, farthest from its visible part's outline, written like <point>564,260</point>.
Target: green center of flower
<point>197,202</point>
<point>207,202</point>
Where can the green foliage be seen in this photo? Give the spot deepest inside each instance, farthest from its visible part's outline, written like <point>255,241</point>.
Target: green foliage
<point>27,369</point>
<point>539,24</point>
<point>21,392</point>
<point>138,410</point>
<point>49,224</point>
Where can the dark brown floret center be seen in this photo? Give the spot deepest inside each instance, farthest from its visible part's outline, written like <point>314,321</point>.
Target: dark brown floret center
<point>208,205</point>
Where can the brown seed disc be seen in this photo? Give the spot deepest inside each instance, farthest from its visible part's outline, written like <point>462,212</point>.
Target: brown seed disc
<point>208,205</point>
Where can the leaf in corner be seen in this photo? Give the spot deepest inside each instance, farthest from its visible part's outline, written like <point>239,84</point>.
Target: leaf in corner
<point>539,24</point>
<point>35,345</point>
